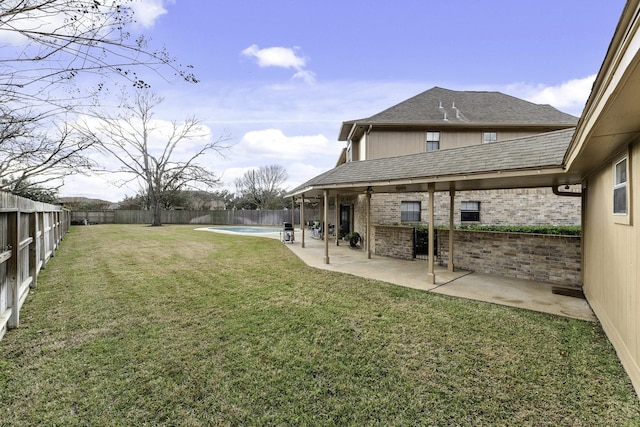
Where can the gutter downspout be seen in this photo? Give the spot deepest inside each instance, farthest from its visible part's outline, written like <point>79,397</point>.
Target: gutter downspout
<point>557,192</point>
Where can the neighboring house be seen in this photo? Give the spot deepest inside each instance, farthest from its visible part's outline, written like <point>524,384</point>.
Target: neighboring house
<point>602,155</point>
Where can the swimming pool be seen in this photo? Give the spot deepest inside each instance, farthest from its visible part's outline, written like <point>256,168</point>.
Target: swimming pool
<point>245,229</point>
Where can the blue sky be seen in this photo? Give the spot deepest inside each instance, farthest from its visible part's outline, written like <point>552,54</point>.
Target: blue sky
<point>281,75</point>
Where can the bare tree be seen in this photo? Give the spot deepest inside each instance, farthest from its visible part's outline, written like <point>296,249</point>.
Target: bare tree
<point>31,156</point>
<point>262,188</point>
<point>130,137</point>
<point>51,42</point>
<point>46,46</point>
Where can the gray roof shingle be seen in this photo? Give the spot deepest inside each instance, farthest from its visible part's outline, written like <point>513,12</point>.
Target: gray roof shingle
<point>533,152</point>
<point>471,107</point>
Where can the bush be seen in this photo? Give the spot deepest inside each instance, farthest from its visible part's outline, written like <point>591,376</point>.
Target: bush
<point>562,230</point>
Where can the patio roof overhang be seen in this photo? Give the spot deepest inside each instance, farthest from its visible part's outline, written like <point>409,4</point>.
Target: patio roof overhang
<point>530,162</point>
<point>528,178</point>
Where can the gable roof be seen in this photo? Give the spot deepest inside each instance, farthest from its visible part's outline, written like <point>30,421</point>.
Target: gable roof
<point>467,108</point>
<point>462,166</point>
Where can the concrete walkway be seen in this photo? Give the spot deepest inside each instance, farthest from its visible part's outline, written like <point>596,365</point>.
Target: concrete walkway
<point>518,293</point>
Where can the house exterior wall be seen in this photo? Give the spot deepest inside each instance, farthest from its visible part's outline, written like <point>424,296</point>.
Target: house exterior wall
<point>610,259</point>
<point>543,258</point>
<point>537,206</point>
<point>539,257</point>
<point>391,143</point>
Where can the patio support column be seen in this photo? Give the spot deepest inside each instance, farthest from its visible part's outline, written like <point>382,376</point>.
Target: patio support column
<point>336,226</point>
<point>326,226</point>
<point>293,212</point>
<point>368,238</point>
<point>452,199</point>
<point>431,277</point>
<point>302,220</point>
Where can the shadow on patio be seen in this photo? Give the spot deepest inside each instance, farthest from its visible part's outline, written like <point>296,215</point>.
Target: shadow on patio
<point>501,290</point>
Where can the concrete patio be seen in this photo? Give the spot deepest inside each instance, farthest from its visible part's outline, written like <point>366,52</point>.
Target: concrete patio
<point>525,294</point>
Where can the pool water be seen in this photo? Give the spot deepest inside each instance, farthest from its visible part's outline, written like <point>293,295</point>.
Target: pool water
<point>242,229</point>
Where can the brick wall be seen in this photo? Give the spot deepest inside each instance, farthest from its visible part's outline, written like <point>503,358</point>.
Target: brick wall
<point>544,258</point>
<point>533,206</point>
<point>394,242</point>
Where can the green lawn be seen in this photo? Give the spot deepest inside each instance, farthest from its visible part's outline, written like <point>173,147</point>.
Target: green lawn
<point>133,325</point>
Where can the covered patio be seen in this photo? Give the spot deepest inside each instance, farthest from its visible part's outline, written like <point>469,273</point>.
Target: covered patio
<point>524,294</point>
<point>529,162</point>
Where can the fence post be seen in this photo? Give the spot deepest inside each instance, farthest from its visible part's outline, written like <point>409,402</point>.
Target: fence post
<point>33,249</point>
<point>13,264</point>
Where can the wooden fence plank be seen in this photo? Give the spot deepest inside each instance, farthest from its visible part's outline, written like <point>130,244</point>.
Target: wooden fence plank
<point>29,234</point>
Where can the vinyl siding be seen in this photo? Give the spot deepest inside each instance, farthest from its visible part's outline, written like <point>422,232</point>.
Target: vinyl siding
<point>383,144</point>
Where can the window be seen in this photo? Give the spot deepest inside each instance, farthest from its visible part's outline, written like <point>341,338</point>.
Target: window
<point>470,211</point>
<point>433,141</point>
<point>620,193</point>
<point>488,137</point>
<point>410,211</point>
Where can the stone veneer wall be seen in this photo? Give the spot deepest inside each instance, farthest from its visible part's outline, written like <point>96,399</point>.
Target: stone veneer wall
<point>539,257</point>
<point>543,258</point>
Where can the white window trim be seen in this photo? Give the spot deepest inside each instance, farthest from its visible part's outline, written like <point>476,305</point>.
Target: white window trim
<point>489,142</point>
<point>427,140</point>
<point>419,211</point>
<point>464,207</point>
<point>622,218</point>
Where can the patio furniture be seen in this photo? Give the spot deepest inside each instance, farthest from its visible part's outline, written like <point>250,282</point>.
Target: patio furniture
<point>287,235</point>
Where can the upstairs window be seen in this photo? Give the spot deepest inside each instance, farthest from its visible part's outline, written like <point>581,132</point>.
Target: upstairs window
<point>433,141</point>
<point>620,188</point>
<point>489,137</point>
<point>410,211</point>
<point>470,211</point>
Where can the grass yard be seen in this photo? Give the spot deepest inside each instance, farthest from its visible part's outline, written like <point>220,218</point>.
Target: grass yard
<point>133,325</point>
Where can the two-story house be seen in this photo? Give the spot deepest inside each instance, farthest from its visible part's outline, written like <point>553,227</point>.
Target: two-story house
<point>441,119</point>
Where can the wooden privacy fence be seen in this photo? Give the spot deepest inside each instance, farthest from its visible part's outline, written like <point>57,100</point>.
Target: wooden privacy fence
<point>218,217</point>
<point>29,234</point>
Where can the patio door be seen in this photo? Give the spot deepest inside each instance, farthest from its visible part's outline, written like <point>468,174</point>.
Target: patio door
<point>345,220</point>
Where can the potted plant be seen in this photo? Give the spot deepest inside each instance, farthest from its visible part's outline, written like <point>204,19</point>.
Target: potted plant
<point>354,239</point>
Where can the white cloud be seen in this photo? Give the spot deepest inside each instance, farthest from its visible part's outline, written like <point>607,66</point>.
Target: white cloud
<point>282,57</point>
<point>275,57</point>
<point>569,96</point>
<point>306,76</point>
<point>146,12</point>
<point>273,143</point>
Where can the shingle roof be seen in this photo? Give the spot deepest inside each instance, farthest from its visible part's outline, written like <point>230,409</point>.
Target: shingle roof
<point>533,152</point>
<point>466,107</point>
